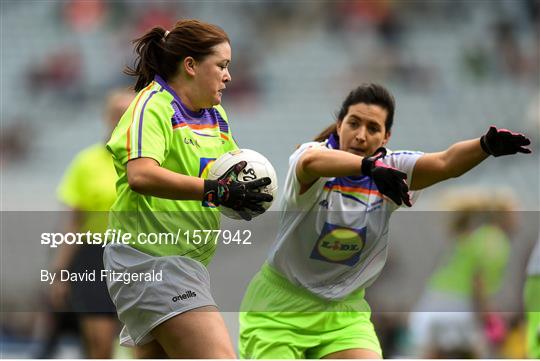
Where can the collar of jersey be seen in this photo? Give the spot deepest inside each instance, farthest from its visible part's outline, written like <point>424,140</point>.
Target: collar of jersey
<point>166,86</point>
<point>332,142</point>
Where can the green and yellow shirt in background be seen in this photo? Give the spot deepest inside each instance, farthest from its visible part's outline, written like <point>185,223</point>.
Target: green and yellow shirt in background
<point>483,252</point>
<point>88,185</point>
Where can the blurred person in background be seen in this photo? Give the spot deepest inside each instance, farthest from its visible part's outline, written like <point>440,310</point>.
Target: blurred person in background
<point>308,299</point>
<point>13,146</point>
<point>88,189</point>
<point>163,147</point>
<point>532,303</point>
<point>453,318</point>
<point>532,284</point>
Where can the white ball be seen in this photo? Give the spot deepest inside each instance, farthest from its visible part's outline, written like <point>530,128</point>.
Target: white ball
<point>257,167</point>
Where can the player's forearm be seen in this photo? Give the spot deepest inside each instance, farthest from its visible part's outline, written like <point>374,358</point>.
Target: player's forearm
<point>328,163</point>
<point>432,168</point>
<point>151,179</point>
<point>462,157</point>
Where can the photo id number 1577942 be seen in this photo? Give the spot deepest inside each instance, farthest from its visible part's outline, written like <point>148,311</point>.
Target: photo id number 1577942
<point>224,236</point>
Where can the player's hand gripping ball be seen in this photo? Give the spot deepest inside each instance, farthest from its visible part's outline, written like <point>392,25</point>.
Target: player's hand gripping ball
<point>257,167</point>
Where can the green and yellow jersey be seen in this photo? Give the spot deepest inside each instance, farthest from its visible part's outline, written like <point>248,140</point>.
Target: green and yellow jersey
<point>483,252</point>
<point>157,125</point>
<point>88,185</point>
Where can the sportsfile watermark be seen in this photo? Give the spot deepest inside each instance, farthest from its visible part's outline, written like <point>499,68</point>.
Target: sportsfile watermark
<point>65,275</point>
<point>419,246</point>
<point>117,236</point>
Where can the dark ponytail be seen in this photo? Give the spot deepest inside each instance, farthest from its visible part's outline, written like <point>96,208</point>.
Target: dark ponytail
<point>149,49</point>
<point>160,54</point>
<point>331,129</point>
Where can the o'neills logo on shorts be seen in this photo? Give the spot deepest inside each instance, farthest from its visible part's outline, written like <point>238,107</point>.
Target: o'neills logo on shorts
<point>184,296</point>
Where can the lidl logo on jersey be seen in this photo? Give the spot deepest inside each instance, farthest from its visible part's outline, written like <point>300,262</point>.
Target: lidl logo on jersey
<point>338,244</point>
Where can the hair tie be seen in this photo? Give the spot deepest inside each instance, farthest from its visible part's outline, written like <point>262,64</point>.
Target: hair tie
<point>166,33</point>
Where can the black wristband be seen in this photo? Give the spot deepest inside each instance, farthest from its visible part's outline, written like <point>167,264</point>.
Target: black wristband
<point>211,191</point>
<point>367,164</point>
<point>484,145</point>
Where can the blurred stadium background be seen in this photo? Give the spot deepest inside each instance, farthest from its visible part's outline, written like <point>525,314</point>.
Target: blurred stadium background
<point>455,67</point>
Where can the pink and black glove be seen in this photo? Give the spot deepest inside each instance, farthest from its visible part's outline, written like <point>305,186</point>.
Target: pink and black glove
<point>497,142</point>
<point>229,192</point>
<point>389,181</point>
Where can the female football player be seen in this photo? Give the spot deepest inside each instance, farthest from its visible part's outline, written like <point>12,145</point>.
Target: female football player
<point>162,149</point>
<point>308,299</point>
<point>454,317</point>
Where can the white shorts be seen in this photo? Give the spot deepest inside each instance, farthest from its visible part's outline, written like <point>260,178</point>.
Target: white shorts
<point>148,290</point>
<point>444,322</point>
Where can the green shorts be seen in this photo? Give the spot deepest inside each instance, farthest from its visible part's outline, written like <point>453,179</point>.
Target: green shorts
<point>279,320</point>
<point>532,308</point>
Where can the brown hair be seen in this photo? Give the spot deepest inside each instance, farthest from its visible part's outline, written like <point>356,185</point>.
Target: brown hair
<point>160,53</point>
<point>368,93</point>
<point>471,206</point>
<point>331,129</point>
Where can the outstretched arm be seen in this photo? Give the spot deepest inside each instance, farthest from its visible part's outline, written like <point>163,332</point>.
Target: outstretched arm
<point>432,168</point>
<point>461,157</point>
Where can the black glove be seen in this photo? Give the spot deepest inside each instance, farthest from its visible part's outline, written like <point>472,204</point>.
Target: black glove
<point>229,192</point>
<point>497,142</point>
<point>389,181</point>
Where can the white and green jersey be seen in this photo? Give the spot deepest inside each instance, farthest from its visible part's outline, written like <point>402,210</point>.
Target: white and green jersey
<point>157,125</point>
<point>533,268</point>
<point>332,239</point>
